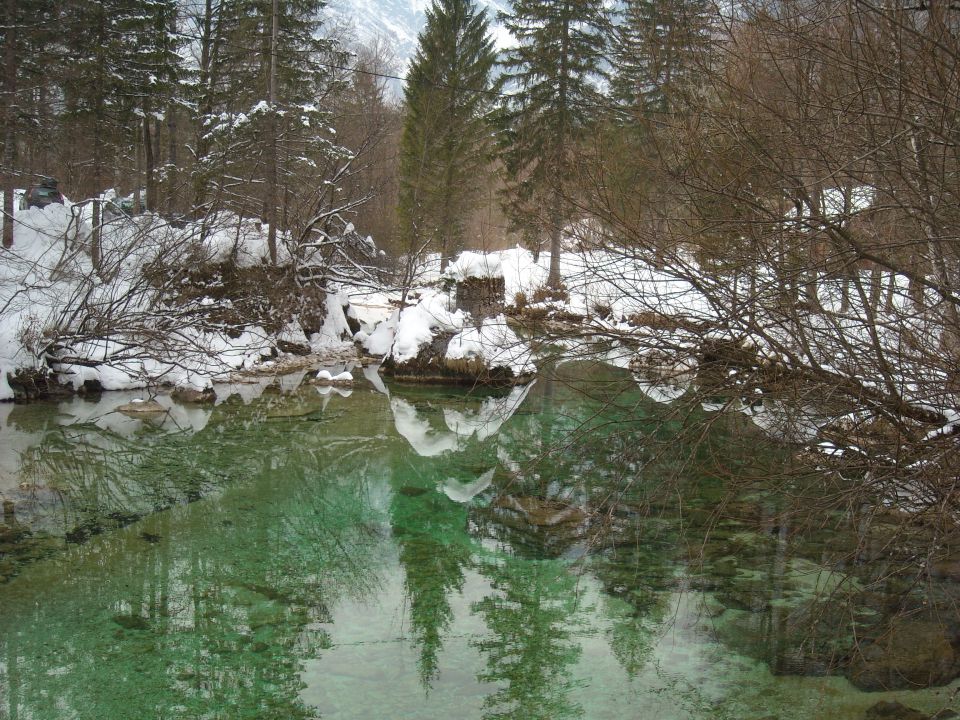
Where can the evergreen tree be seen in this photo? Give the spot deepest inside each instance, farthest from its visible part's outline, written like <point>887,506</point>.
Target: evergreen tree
<point>657,47</point>
<point>445,136</point>
<point>552,72</point>
<point>153,71</point>
<point>261,137</point>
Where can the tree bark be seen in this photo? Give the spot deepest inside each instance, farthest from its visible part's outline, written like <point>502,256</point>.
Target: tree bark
<point>10,119</point>
<point>150,160</point>
<point>271,214</point>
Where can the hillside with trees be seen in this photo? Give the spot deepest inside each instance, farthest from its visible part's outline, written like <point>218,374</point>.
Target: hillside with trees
<point>793,163</point>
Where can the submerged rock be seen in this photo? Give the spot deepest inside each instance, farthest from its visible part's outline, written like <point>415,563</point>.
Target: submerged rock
<point>893,710</point>
<point>947,569</point>
<point>131,622</point>
<point>193,396</point>
<point>142,407</point>
<point>324,377</point>
<point>542,512</point>
<point>912,655</point>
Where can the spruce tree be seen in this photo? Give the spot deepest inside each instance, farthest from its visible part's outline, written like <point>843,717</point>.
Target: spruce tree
<point>255,150</point>
<point>444,147</point>
<point>657,48</point>
<point>551,75</point>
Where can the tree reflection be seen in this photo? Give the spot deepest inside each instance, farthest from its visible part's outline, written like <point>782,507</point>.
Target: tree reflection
<point>429,530</point>
<point>207,610</point>
<point>530,650</point>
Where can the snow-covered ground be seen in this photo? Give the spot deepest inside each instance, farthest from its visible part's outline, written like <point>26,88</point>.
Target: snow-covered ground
<point>118,328</point>
<point>883,347</point>
<point>48,286</point>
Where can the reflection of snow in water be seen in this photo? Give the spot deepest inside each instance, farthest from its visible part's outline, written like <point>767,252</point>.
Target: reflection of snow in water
<point>103,413</point>
<point>783,421</point>
<point>665,394</point>
<point>290,382</point>
<point>16,441</point>
<point>253,388</point>
<point>372,374</point>
<point>84,414</point>
<point>248,391</point>
<point>426,441</point>
<point>489,418</point>
<point>329,391</point>
<point>666,383</point>
<point>461,424</point>
<point>465,492</point>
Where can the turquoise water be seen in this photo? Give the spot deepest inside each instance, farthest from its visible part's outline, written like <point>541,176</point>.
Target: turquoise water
<point>566,550</point>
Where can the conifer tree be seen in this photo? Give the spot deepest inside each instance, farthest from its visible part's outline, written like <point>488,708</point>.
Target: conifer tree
<point>254,144</point>
<point>551,74</point>
<point>656,49</point>
<point>444,146</point>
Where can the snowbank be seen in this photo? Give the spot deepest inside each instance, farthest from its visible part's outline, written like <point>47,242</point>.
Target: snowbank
<point>475,265</point>
<point>494,345</point>
<point>114,329</point>
<point>418,325</point>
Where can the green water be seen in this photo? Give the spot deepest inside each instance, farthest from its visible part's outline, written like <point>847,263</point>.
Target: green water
<point>428,554</point>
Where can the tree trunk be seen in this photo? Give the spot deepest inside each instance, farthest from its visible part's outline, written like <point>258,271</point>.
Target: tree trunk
<point>554,281</point>
<point>10,120</point>
<point>271,214</point>
<point>173,170</point>
<point>150,160</point>
<point>208,52</point>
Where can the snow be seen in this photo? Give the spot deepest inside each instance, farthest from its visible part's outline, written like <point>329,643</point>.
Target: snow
<point>371,308</point>
<point>495,345</point>
<point>47,272</point>
<point>47,281</point>
<point>335,332</point>
<point>418,324</point>
<point>379,342</point>
<point>475,265</point>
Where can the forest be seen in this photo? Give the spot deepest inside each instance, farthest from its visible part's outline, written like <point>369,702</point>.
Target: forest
<point>795,163</point>
<point>692,443</point>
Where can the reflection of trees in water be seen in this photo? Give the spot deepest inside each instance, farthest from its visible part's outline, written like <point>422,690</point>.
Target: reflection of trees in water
<point>83,478</point>
<point>428,527</point>
<point>635,570</point>
<point>434,549</point>
<point>208,612</point>
<point>529,650</point>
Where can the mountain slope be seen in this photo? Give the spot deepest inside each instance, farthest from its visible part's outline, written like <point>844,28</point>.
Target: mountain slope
<point>398,22</point>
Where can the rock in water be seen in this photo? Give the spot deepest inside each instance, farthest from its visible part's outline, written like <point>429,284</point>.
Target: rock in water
<point>892,710</point>
<point>142,407</point>
<point>912,655</point>
<point>194,396</point>
<point>542,512</point>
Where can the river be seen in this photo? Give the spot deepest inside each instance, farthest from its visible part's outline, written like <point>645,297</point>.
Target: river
<point>568,549</point>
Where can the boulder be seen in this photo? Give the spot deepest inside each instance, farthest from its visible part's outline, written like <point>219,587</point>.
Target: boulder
<point>193,396</point>
<point>893,710</point>
<point>542,512</point>
<point>947,569</point>
<point>324,377</point>
<point>911,655</point>
<point>142,407</point>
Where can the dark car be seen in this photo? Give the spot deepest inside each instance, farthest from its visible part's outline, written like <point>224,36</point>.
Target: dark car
<point>40,195</point>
